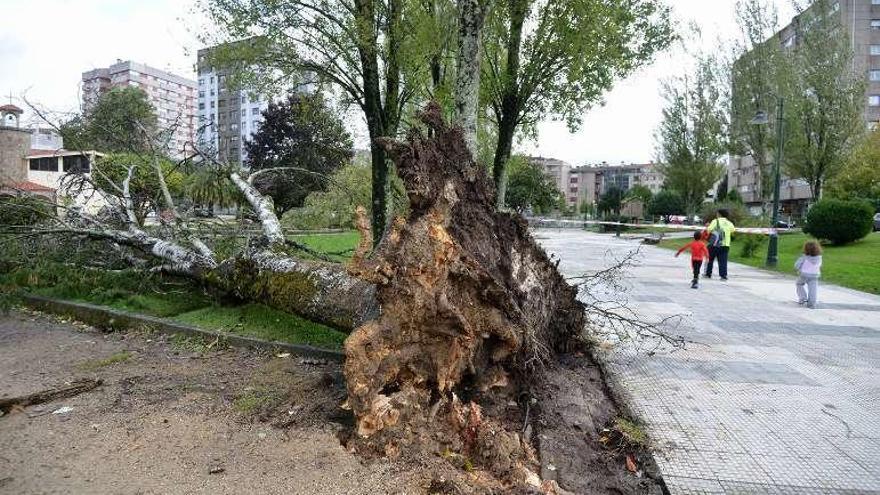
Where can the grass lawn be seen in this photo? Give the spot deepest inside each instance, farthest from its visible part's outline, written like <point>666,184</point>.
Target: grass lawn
<point>263,322</point>
<point>340,244</point>
<point>178,299</point>
<point>856,265</point>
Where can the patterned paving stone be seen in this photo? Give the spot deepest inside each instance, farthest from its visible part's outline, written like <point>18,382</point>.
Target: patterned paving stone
<point>772,397</point>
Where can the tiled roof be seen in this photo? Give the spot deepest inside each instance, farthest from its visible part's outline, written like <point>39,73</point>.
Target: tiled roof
<point>29,186</point>
<point>10,108</point>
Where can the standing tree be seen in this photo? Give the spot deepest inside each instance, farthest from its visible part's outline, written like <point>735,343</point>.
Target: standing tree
<point>530,187</point>
<point>691,136</point>
<point>299,144</point>
<point>611,201</point>
<point>826,101</point>
<point>758,72</point>
<point>361,48</point>
<point>666,204</point>
<point>121,120</point>
<point>556,59</point>
<point>858,178</point>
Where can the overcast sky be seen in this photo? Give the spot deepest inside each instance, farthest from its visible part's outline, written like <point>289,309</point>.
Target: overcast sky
<point>45,45</point>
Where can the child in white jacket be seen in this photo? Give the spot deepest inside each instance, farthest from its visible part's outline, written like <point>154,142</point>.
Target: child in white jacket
<point>809,267</point>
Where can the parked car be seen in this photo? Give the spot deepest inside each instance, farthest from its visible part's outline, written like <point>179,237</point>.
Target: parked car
<point>876,222</point>
<point>782,224</point>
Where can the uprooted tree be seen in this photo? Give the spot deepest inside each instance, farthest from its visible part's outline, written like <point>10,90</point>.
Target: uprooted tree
<point>470,304</point>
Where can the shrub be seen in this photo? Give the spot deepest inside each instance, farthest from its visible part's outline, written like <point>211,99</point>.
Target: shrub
<point>840,221</point>
<point>738,212</point>
<point>23,210</point>
<point>752,244</point>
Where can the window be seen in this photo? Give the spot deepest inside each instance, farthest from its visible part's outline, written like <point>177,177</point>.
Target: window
<point>875,49</point>
<point>874,75</point>
<point>212,93</point>
<point>76,163</point>
<point>874,101</point>
<point>232,115</point>
<point>875,23</point>
<point>221,103</point>
<point>255,111</point>
<point>201,106</point>
<point>243,99</point>
<point>201,94</point>
<point>573,180</point>
<point>212,103</point>
<point>243,112</point>
<point>202,81</point>
<point>875,2</point>
<point>47,164</point>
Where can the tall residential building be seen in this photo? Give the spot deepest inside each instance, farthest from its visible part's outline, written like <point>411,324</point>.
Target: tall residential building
<point>173,97</point>
<point>227,117</point>
<point>861,22</point>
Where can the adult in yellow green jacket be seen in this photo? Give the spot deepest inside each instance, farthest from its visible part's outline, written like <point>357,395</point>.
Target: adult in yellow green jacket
<point>720,231</point>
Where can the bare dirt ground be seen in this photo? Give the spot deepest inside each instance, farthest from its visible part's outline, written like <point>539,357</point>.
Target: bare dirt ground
<point>182,416</point>
<point>169,419</point>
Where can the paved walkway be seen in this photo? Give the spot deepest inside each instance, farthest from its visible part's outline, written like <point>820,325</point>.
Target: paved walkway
<point>775,398</point>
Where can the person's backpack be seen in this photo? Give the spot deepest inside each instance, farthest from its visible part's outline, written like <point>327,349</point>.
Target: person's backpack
<point>716,238</point>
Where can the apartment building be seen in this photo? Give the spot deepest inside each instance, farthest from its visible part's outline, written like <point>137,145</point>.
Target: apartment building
<point>173,97</point>
<point>227,116</point>
<point>861,20</point>
<point>587,183</point>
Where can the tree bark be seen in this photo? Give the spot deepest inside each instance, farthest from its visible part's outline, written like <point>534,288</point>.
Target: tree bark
<point>471,15</point>
<point>466,295</point>
<point>510,101</point>
<point>365,17</point>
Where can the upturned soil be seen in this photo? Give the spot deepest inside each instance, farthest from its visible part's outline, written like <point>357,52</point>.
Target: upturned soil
<point>183,416</point>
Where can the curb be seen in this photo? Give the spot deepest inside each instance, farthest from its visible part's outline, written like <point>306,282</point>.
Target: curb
<point>114,319</point>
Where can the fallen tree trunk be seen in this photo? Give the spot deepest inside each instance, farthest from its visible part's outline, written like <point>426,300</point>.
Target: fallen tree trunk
<point>470,307</point>
<point>319,291</point>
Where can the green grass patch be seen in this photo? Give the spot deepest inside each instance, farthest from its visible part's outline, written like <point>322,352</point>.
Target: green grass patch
<point>341,242</point>
<point>632,432</point>
<point>95,364</point>
<point>263,322</point>
<point>855,265</point>
<point>255,400</point>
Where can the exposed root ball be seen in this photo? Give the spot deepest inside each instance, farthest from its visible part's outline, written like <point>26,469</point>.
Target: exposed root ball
<point>466,295</point>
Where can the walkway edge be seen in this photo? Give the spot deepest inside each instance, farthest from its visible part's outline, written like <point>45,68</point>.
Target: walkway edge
<point>103,317</point>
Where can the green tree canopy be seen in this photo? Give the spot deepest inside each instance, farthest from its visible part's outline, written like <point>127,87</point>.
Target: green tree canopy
<point>666,204</point>
<point>300,143</point>
<point>121,120</point>
<point>110,171</point>
<point>859,176</point>
<point>611,200</point>
<point>557,58</point>
<point>691,137</point>
<point>826,101</point>
<point>529,187</point>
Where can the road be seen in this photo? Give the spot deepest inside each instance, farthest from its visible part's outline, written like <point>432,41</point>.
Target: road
<point>770,397</point>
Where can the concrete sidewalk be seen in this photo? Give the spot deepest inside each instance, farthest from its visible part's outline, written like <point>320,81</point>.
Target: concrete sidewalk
<point>774,397</point>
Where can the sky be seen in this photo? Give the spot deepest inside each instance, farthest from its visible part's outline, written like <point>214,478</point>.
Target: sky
<point>45,45</point>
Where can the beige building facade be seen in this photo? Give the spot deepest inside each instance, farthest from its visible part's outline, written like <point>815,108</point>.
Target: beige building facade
<point>173,97</point>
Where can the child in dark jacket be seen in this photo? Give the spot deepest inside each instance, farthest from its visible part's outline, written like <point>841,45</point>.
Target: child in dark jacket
<point>699,252</point>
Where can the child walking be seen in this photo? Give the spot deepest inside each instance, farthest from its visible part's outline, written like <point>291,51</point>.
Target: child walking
<point>809,267</point>
<point>698,250</point>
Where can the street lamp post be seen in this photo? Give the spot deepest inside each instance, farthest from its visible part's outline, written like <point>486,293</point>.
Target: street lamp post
<point>761,119</point>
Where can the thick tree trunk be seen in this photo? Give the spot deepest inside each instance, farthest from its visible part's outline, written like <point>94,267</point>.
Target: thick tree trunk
<point>510,101</point>
<point>365,16</point>
<point>466,296</point>
<point>471,15</point>
<point>318,291</point>
<point>506,130</point>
